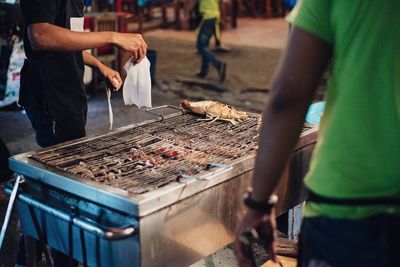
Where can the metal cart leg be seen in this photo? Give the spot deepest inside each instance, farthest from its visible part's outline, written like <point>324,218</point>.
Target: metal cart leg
<point>31,252</point>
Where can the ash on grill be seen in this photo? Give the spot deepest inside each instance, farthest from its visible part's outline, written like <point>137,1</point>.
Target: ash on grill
<point>152,155</point>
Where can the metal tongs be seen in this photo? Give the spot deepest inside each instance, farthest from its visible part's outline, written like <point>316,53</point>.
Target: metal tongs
<point>108,88</point>
<point>247,241</point>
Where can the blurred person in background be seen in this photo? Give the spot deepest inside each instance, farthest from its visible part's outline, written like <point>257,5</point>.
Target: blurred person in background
<point>210,12</point>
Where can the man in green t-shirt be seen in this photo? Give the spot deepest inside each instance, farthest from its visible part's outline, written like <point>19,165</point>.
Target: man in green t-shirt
<point>352,216</point>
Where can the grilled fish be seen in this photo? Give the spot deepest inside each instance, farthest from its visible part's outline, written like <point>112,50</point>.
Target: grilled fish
<point>214,110</point>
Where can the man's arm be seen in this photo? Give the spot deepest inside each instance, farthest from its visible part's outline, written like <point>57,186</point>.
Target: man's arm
<point>91,60</point>
<point>48,37</point>
<point>113,76</point>
<point>297,78</point>
<point>304,62</point>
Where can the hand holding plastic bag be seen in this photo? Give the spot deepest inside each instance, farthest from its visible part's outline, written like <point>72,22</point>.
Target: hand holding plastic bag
<point>137,86</point>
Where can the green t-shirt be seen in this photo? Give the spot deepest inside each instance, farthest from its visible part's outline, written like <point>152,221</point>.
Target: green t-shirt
<point>358,152</point>
<point>209,9</point>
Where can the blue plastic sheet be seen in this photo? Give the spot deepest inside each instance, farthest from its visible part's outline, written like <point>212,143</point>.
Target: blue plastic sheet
<point>289,3</point>
<point>143,3</point>
<point>315,112</point>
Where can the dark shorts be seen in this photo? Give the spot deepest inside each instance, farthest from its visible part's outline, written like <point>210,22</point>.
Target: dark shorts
<point>370,242</point>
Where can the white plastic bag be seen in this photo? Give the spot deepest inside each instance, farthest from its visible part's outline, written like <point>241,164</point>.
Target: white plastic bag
<point>137,86</point>
<point>13,74</point>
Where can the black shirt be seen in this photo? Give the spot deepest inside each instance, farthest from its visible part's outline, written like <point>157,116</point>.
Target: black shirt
<point>53,81</point>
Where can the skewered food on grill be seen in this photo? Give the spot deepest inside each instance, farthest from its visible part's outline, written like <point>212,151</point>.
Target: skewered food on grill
<point>150,156</point>
<point>214,110</point>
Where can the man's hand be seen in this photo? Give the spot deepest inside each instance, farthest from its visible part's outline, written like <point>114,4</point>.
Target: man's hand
<point>133,43</point>
<point>112,76</point>
<point>265,225</point>
<point>108,73</point>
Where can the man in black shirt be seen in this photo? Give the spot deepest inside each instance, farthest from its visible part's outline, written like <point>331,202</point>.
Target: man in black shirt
<point>52,90</point>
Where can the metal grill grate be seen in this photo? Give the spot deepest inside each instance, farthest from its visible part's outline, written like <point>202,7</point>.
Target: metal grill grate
<point>150,156</point>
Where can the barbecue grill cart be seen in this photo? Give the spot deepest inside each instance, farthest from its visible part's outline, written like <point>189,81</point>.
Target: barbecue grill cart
<point>165,192</point>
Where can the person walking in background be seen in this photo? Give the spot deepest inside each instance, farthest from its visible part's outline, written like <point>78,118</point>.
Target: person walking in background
<point>352,216</point>
<point>210,12</point>
<point>219,46</point>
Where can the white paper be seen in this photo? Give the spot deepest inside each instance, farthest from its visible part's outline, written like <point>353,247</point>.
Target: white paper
<point>137,86</point>
<point>76,24</point>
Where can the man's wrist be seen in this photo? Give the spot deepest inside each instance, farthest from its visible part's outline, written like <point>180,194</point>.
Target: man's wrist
<point>112,38</point>
<point>260,206</point>
<point>100,66</point>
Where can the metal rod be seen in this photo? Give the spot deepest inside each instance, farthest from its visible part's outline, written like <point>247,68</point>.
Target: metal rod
<point>219,165</point>
<point>9,209</point>
<point>151,110</point>
<point>224,168</point>
<point>108,233</point>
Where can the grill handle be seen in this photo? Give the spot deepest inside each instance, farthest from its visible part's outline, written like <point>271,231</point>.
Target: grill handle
<point>105,232</point>
<point>152,110</point>
<point>223,169</point>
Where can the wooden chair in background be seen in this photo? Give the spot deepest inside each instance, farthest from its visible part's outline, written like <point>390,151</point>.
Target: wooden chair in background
<point>128,5</point>
<point>268,8</point>
<point>108,54</point>
<point>142,11</point>
<point>182,10</point>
